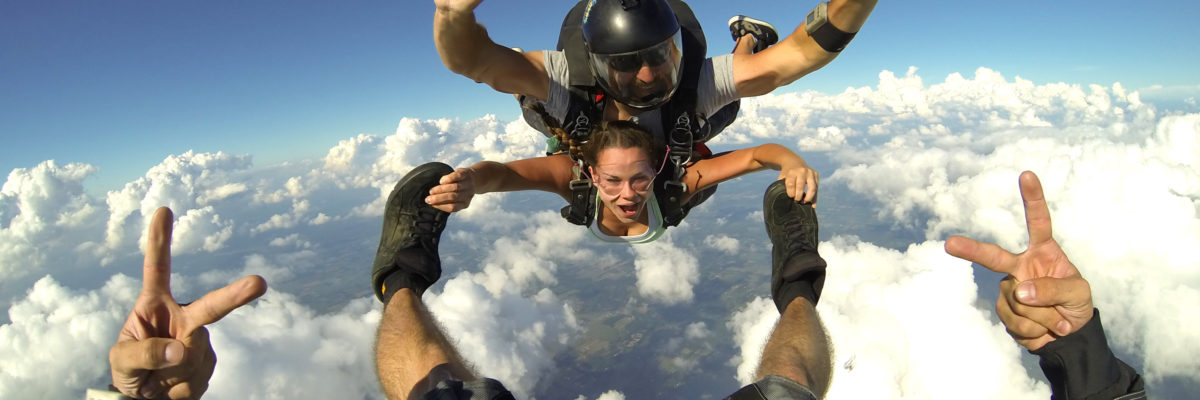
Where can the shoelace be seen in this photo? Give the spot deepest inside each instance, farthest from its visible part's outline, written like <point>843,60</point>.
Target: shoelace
<point>426,223</point>
<point>797,235</point>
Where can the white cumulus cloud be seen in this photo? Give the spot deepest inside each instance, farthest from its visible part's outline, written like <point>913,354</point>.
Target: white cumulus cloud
<point>938,158</point>
<point>666,273</point>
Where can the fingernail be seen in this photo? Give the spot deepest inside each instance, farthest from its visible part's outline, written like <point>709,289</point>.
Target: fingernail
<point>1026,291</point>
<point>427,200</point>
<point>173,353</point>
<point>146,392</point>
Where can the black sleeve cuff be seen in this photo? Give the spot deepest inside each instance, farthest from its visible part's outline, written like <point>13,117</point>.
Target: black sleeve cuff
<point>1082,366</point>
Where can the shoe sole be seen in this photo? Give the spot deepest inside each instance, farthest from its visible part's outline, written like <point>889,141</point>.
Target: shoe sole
<point>736,18</point>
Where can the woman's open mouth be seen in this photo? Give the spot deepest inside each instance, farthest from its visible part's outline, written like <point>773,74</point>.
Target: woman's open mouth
<point>628,211</point>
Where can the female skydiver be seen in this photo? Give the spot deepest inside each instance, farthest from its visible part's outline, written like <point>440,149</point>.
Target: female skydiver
<point>623,161</point>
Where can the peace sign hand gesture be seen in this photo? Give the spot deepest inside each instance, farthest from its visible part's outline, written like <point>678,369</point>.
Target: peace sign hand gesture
<point>1043,296</point>
<point>163,349</point>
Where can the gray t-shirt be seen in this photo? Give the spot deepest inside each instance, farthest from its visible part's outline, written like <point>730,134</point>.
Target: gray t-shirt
<point>714,90</point>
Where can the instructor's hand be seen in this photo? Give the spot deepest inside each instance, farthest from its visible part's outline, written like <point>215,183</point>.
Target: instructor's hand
<point>456,5</point>
<point>163,349</point>
<point>1043,296</point>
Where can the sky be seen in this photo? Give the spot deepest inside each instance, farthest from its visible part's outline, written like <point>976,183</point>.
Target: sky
<point>274,131</point>
<point>117,85</point>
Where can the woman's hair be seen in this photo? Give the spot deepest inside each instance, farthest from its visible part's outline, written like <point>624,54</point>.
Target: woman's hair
<point>610,134</point>
<point>573,148</point>
<point>623,135</point>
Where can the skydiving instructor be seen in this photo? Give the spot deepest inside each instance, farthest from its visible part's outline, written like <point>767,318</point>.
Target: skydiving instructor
<point>616,50</point>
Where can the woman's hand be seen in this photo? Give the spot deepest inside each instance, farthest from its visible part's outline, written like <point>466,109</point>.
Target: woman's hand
<point>454,191</point>
<point>801,182</point>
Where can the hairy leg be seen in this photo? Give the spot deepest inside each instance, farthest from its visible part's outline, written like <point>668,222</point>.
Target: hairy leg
<point>799,348</point>
<point>410,349</point>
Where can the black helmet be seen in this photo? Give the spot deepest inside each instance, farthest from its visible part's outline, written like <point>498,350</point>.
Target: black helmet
<point>632,40</point>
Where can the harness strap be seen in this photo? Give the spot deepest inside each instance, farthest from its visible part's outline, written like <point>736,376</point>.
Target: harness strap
<point>581,208</point>
<point>681,141</point>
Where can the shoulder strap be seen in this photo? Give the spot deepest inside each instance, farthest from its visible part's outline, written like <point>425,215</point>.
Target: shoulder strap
<point>584,109</point>
<point>681,124</point>
<point>570,42</point>
<point>581,209</point>
<point>695,48</point>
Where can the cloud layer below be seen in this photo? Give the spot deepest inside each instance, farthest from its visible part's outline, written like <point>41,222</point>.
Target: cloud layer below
<point>1121,177</point>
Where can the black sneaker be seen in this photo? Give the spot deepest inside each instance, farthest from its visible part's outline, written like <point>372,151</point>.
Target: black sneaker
<point>796,268</point>
<point>411,230</point>
<point>764,33</point>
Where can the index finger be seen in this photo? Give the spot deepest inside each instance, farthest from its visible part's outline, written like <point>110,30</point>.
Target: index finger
<point>457,176</point>
<point>988,255</point>
<point>156,268</point>
<point>218,303</point>
<point>1037,213</point>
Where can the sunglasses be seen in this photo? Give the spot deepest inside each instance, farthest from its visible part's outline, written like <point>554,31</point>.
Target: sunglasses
<point>652,57</point>
<point>635,61</point>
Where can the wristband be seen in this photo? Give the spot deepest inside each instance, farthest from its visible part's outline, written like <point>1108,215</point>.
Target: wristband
<point>822,31</point>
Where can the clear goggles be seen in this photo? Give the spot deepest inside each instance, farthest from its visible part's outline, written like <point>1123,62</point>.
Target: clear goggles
<point>619,73</point>
<point>612,186</point>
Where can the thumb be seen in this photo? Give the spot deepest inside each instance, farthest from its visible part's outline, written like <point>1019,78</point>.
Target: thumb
<point>1047,292</point>
<point>148,354</point>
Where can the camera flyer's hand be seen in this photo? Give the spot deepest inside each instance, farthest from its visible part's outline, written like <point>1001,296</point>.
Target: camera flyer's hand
<point>163,348</point>
<point>1044,295</point>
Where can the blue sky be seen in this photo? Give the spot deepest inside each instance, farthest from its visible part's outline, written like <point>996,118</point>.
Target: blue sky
<point>121,85</point>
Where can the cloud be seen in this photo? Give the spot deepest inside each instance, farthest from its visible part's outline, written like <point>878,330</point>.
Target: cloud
<point>1121,178</point>
<point>200,229</point>
<point>262,347</point>
<point>415,142</point>
<point>751,326</point>
<point>283,221</point>
<point>609,395</point>
<point>1125,210</point>
<point>64,334</point>
<point>506,336</point>
<point>204,190</point>
<point>665,273</point>
<point>180,182</point>
<point>925,301</point>
<point>723,243</point>
<point>276,346</point>
<point>684,353</point>
<point>936,344</point>
<point>292,240</point>
<point>43,210</point>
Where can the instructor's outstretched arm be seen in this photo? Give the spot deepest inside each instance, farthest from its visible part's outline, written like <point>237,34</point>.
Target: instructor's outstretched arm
<point>797,55</point>
<point>467,50</point>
